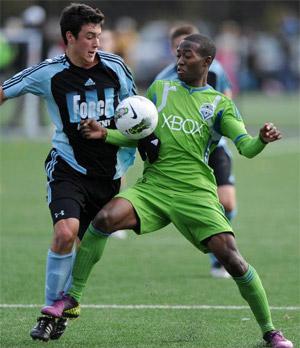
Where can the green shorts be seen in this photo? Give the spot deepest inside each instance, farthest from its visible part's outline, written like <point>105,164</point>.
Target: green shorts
<point>196,214</point>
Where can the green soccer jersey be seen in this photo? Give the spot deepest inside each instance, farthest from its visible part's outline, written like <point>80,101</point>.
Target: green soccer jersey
<point>191,122</point>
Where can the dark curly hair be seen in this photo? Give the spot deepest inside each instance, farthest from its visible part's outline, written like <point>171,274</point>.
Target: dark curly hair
<point>74,16</point>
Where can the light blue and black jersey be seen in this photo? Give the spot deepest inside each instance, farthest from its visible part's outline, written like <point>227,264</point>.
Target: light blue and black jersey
<point>72,94</point>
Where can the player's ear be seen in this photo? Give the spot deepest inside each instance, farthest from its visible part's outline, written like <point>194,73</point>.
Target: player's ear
<point>208,60</point>
<point>70,37</point>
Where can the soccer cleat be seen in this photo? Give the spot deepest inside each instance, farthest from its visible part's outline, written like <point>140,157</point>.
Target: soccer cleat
<point>59,328</point>
<point>67,307</point>
<point>43,329</point>
<point>218,271</point>
<point>275,339</point>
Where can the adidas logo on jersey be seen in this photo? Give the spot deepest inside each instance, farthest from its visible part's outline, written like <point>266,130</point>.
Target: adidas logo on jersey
<point>89,82</point>
<point>154,142</point>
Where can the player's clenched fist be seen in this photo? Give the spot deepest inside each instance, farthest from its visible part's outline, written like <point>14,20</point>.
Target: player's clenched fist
<point>269,133</point>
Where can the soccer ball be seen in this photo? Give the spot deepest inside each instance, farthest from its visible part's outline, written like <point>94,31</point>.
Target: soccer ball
<point>136,117</point>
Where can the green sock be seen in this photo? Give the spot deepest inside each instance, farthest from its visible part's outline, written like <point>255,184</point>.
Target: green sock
<point>252,291</point>
<point>89,253</point>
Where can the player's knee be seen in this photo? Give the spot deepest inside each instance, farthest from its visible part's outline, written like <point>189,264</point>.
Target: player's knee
<point>226,250</point>
<point>227,197</point>
<point>104,221</point>
<point>234,263</point>
<point>64,238</point>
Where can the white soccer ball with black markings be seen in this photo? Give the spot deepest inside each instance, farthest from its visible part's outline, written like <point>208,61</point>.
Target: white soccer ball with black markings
<point>136,117</point>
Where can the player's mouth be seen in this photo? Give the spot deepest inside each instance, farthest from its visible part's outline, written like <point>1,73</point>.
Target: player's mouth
<point>180,71</point>
<point>91,54</point>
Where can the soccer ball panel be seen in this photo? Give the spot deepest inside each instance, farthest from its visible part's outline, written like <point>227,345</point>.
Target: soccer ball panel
<point>136,117</point>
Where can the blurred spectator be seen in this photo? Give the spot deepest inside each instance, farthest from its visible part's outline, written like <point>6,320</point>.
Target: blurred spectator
<point>34,16</point>
<point>246,77</point>
<point>152,51</point>
<point>269,62</point>
<point>126,38</point>
<point>275,42</point>
<point>7,53</point>
<point>108,41</point>
<point>289,29</point>
<point>228,51</point>
<point>55,45</point>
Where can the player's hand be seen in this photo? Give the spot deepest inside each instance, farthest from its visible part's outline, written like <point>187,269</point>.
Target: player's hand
<point>149,148</point>
<point>269,133</point>
<point>91,129</point>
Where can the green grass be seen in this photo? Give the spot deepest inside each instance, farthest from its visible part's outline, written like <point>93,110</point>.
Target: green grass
<point>282,109</point>
<point>159,268</point>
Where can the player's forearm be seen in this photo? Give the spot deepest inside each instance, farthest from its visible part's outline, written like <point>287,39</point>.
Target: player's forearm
<point>114,137</point>
<point>250,147</point>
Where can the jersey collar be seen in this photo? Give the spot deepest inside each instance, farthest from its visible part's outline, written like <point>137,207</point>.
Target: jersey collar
<point>194,89</point>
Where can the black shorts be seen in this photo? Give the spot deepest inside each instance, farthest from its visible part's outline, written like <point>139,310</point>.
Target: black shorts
<point>220,162</point>
<point>71,194</point>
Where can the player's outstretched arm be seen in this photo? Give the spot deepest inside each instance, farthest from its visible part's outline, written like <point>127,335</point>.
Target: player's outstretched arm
<point>250,147</point>
<point>269,133</point>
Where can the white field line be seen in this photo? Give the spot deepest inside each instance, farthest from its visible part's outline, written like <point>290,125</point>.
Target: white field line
<point>141,306</point>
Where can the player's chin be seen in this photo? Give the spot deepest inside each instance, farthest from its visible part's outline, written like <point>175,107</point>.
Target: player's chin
<point>181,75</point>
<point>90,57</point>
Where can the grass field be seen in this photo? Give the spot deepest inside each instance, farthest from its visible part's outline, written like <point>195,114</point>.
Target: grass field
<point>161,268</point>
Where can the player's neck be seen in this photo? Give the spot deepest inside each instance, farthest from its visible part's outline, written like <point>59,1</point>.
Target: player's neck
<point>202,82</point>
<point>79,61</point>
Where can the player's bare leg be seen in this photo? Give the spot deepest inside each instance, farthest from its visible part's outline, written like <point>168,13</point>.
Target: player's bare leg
<point>116,214</point>
<point>59,265</point>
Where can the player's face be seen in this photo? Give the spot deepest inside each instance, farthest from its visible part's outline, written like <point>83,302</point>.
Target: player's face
<point>191,66</point>
<point>83,48</point>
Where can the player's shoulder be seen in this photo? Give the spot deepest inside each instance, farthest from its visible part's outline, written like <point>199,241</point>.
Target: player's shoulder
<point>212,90</point>
<point>114,61</point>
<point>162,84</point>
<point>50,66</point>
<point>41,71</point>
<point>107,56</point>
<point>57,61</point>
<point>213,94</point>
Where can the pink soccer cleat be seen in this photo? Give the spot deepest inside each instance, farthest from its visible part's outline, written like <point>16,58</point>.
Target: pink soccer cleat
<point>67,307</point>
<point>275,339</point>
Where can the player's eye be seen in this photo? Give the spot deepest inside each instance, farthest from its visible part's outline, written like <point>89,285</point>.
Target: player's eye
<point>187,55</point>
<point>91,36</point>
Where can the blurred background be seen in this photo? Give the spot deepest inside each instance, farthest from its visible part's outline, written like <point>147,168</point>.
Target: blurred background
<point>257,41</point>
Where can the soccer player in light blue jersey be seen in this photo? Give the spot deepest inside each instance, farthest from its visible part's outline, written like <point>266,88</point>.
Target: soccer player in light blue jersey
<point>82,175</point>
<point>220,159</point>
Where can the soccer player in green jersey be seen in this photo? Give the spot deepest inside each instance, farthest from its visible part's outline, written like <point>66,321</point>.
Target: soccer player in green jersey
<point>180,187</point>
